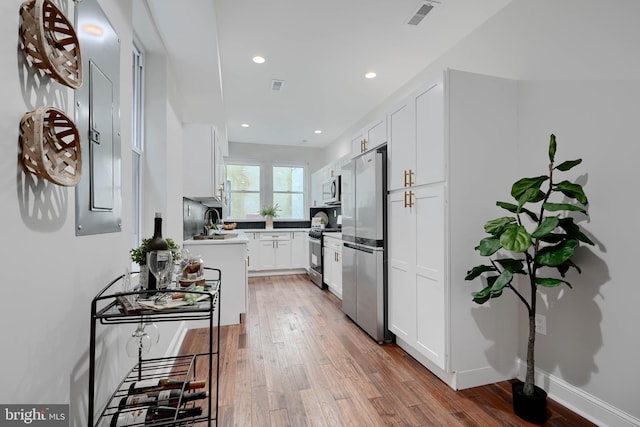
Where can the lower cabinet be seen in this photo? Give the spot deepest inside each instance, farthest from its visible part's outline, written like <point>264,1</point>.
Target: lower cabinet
<point>231,259</point>
<point>299,249</point>
<point>275,250</point>
<point>332,268</point>
<point>416,271</point>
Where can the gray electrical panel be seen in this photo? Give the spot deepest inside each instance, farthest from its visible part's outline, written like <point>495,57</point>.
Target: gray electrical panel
<point>97,116</point>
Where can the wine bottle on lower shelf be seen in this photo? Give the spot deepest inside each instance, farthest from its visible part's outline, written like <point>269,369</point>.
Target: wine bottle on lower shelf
<point>160,398</point>
<point>150,386</point>
<point>149,414</point>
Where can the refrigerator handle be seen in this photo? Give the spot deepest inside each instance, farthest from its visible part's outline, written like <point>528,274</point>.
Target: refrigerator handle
<point>358,248</point>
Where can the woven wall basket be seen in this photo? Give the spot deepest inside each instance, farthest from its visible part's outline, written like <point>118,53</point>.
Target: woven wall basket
<point>51,146</point>
<point>50,42</point>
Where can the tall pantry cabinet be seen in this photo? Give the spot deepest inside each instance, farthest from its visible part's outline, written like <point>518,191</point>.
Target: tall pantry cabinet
<point>451,156</point>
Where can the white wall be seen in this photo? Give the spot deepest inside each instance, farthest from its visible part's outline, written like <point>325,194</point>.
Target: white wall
<point>585,53</point>
<point>50,275</point>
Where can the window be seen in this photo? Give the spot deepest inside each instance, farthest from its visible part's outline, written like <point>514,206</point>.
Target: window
<point>137,146</point>
<point>244,191</point>
<point>288,191</point>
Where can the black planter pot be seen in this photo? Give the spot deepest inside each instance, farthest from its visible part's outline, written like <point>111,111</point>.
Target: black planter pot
<point>529,408</point>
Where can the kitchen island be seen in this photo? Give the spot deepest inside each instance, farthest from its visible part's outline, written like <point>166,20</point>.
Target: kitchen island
<point>230,256</point>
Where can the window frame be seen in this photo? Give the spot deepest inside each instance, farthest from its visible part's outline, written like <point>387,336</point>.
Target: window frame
<point>137,140</point>
<point>305,187</point>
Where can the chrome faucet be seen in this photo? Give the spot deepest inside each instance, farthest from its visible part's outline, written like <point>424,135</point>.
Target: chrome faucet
<point>207,219</point>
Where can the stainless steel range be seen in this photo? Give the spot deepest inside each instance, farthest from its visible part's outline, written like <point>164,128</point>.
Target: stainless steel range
<point>316,254</point>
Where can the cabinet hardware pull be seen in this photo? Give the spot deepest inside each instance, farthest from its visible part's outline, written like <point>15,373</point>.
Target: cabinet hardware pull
<point>411,178</point>
<point>405,178</point>
<point>406,203</point>
<point>411,193</point>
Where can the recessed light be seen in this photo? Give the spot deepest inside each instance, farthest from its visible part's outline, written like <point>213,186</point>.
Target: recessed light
<point>258,59</point>
<point>245,125</point>
<point>317,131</point>
<point>370,75</point>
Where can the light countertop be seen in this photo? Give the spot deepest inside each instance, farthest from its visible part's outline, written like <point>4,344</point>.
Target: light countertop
<point>239,239</point>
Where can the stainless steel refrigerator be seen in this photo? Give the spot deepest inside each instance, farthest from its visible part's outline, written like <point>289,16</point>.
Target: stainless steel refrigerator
<point>364,255</point>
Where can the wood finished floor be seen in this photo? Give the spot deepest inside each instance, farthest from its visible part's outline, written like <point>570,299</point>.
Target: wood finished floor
<point>297,360</point>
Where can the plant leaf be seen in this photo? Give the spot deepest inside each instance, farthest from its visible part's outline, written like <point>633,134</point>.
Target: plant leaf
<point>554,207</point>
<point>488,246</point>
<point>511,264</point>
<point>547,226</point>
<point>553,238</point>
<point>524,184</point>
<point>503,280</point>
<point>552,147</point>
<point>550,282</point>
<point>482,296</point>
<point>564,267</point>
<point>573,231</point>
<point>478,270</point>
<point>514,209</point>
<point>497,225</point>
<point>532,195</point>
<point>556,255</point>
<point>565,166</point>
<point>516,239</point>
<point>571,190</point>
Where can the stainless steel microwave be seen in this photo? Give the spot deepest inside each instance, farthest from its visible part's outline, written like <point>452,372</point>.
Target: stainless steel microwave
<point>331,191</point>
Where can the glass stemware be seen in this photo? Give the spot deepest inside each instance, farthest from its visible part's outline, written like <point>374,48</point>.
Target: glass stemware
<point>160,264</point>
<point>139,343</point>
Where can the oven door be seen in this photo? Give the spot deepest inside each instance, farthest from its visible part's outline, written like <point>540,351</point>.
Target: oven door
<point>315,260</point>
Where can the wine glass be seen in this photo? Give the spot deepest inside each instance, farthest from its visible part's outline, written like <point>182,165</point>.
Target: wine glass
<point>160,264</point>
<point>139,343</point>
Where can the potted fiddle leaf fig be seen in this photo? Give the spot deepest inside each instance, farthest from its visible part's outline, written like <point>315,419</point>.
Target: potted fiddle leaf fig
<point>536,242</point>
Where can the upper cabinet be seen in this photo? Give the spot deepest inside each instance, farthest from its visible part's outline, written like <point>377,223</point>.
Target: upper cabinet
<point>373,135</point>
<point>203,164</point>
<point>416,138</point>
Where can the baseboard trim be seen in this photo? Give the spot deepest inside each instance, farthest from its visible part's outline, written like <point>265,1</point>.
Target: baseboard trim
<point>579,401</point>
<point>458,380</point>
<point>262,273</point>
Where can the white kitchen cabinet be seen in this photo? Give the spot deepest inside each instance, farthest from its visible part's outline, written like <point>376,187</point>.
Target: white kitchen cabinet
<point>316,188</point>
<point>253,249</point>
<point>332,267</point>
<point>203,164</point>
<point>275,250</point>
<point>436,220</point>
<point>416,271</point>
<point>416,138</point>
<point>373,135</point>
<point>231,259</point>
<point>299,249</point>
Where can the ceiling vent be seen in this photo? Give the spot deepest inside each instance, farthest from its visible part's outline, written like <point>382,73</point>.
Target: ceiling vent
<point>423,10</point>
<point>276,85</point>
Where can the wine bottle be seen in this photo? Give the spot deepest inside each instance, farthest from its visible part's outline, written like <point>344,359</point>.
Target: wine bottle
<point>150,386</point>
<point>160,398</point>
<point>149,414</point>
<point>157,243</point>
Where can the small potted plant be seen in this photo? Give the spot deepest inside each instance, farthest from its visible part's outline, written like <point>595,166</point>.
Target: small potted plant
<point>537,243</point>
<point>139,256</point>
<point>269,212</point>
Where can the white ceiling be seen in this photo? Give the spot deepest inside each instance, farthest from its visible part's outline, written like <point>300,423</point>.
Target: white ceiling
<point>320,48</point>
